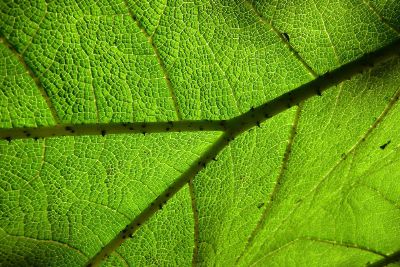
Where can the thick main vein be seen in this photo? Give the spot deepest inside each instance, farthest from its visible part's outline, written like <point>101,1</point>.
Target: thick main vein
<point>238,125</point>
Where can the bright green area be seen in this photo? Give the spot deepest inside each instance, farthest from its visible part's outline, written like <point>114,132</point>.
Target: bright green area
<point>317,185</point>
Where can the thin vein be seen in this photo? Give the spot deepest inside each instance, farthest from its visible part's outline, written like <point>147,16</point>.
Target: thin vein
<point>34,78</point>
<point>159,19</point>
<point>318,240</point>
<point>103,206</point>
<point>327,34</point>
<point>381,194</point>
<point>279,35</point>
<point>153,207</point>
<point>36,31</point>
<point>122,259</point>
<point>361,140</point>
<point>58,243</point>
<point>238,125</point>
<point>235,125</point>
<point>196,223</point>
<point>235,98</point>
<point>42,161</point>
<point>276,188</point>
<point>159,60</point>
<point>381,18</point>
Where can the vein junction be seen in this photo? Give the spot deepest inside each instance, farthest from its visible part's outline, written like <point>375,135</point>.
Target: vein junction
<point>234,126</point>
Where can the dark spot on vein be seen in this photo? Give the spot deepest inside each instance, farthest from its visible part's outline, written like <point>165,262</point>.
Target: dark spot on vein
<point>319,93</point>
<point>131,235</point>
<point>8,138</point>
<point>143,125</point>
<point>258,123</point>
<point>201,128</point>
<point>69,129</point>
<point>260,205</point>
<point>35,138</point>
<point>286,36</point>
<point>167,129</point>
<point>103,132</point>
<point>385,145</point>
<point>138,224</point>
<point>167,194</point>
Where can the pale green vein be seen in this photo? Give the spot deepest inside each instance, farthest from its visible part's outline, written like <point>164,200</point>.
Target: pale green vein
<point>323,241</point>
<point>384,20</point>
<point>159,19</point>
<point>276,188</point>
<point>378,192</point>
<point>196,222</point>
<point>389,106</point>
<point>159,60</point>
<point>327,33</point>
<point>57,243</point>
<point>37,30</point>
<point>235,125</point>
<point>280,36</point>
<point>158,203</point>
<point>42,161</point>
<point>33,76</point>
<point>122,259</point>
<point>242,123</point>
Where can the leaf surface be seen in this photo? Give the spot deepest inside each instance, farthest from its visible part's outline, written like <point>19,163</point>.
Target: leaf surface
<point>130,133</point>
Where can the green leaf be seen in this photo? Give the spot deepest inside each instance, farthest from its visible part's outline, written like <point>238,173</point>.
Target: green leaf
<point>215,133</point>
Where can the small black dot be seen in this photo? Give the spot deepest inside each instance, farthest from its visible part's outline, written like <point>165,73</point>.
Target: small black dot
<point>167,129</point>
<point>8,138</point>
<point>385,145</point>
<point>167,194</point>
<point>35,138</point>
<point>258,123</point>
<point>160,206</point>
<point>214,159</point>
<point>144,133</point>
<point>103,132</point>
<point>131,235</point>
<point>69,129</point>
<point>319,93</point>
<point>286,36</point>
<point>201,128</point>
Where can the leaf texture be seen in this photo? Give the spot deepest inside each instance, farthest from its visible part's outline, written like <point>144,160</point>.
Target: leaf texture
<point>210,133</point>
